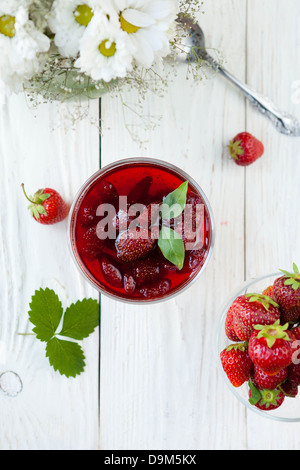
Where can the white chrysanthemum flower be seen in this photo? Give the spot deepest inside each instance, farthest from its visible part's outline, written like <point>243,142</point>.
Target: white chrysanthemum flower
<point>21,45</point>
<point>68,21</point>
<point>105,52</point>
<point>148,25</point>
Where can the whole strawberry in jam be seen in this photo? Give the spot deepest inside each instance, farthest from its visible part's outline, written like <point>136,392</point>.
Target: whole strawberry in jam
<point>47,207</point>
<point>245,149</point>
<point>250,310</point>
<point>237,364</point>
<point>271,348</point>
<point>286,291</point>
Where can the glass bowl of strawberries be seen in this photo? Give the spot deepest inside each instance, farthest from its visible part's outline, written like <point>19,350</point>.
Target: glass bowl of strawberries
<point>141,230</point>
<point>258,345</point>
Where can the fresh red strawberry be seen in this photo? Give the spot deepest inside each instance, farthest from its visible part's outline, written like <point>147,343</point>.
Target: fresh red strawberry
<point>134,244</point>
<point>237,364</point>
<point>251,310</point>
<point>296,333</point>
<point>47,207</point>
<point>158,289</point>
<point>111,273</point>
<point>229,326</point>
<point>92,247</point>
<point>146,269</point>
<point>289,389</point>
<point>263,381</point>
<point>245,149</point>
<point>266,400</point>
<point>286,291</point>
<point>270,347</point>
<point>269,292</point>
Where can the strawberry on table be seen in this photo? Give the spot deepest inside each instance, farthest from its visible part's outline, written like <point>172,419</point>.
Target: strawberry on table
<point>271,348</point>
<point>47,207</point>
<point>245,149</point>
<point>237,364</point>
<point>286,291</point>
<point>252,309</point>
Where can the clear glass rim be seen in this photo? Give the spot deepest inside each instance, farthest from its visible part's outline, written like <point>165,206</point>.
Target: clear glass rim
<point>220,326</point>
<point>129,161</point>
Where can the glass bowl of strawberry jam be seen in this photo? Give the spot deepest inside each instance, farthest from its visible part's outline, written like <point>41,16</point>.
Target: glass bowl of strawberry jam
<point>141,230</point>
<point>254,308</point>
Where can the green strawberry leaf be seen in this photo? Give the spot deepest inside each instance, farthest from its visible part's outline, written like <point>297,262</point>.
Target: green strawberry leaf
<point>65,357</point>
<point>292,279</point>
<point>80,319</point>
<point>174,204</point>
<point>255,394</point>
<point>263,299</point>
<point>172,246</point>
<point>45,313</point>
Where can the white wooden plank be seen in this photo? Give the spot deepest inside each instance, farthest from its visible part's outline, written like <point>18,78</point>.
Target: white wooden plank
<point>273,223</point>
<point>51,412</point>
<point>159,385</point>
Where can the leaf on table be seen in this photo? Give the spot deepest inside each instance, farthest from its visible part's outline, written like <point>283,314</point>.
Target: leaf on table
<point>45,313</point>
<point>80,319</point>
<point>65,357</point>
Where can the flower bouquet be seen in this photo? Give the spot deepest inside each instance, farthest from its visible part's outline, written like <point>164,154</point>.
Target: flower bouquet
<point>60,49</point>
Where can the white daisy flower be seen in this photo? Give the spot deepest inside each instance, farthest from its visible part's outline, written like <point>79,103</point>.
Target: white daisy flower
<point>105,52</point>
<point>21,44</point>
<point>68,21</point>
<point>147,24</point>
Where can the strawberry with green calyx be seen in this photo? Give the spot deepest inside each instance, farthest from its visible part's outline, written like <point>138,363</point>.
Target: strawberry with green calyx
<point>271,347</point>
<point>250,310</point>
<point>286,291</point>
<point>264,381</point>
<point>237,364</point>
<point>265,400</point>
<point>47,206</point>
<point>229,326</point>
<point>245,149</point>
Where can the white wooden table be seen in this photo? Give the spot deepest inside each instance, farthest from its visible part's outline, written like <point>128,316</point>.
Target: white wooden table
<point>151,381</point>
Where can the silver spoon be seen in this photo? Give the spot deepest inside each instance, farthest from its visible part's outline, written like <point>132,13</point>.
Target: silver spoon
<point>194,49</point>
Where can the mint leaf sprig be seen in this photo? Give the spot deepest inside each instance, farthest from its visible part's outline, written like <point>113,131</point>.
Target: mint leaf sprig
<point>170,242</point>
<point>78,321</point>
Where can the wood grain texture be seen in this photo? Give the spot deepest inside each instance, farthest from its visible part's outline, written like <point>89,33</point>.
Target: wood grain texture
<point>272,185</point>
<point>51,412</point>
<point>159,385</point>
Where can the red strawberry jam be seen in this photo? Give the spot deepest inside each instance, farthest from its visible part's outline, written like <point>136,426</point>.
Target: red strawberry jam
<point>115,225</point>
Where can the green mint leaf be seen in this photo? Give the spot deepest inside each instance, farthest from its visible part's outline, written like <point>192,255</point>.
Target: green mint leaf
<point>46,313</point>
<point>65,357</point>
<point>80,319</point>
<point>174,204</point>
<point>172,246</point>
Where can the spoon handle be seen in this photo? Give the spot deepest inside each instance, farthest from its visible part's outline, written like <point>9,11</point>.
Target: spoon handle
<point>284,122</point>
